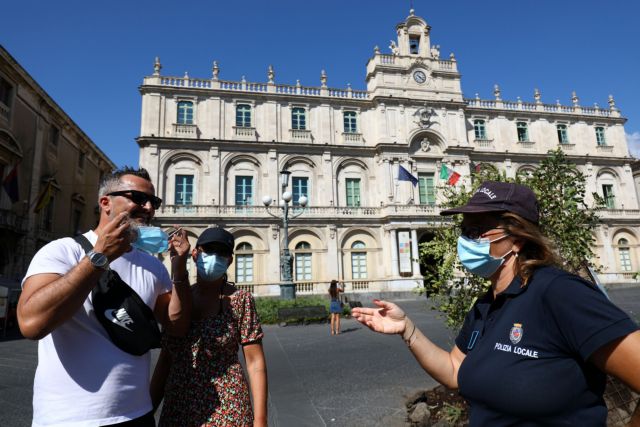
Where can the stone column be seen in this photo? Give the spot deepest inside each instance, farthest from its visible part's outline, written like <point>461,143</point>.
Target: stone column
<point>334,255</point>
<point>394,253</point>
<point>415,254</point>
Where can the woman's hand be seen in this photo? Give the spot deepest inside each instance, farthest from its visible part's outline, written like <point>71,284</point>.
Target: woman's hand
<point>179,244</point>
<point>388,319</point>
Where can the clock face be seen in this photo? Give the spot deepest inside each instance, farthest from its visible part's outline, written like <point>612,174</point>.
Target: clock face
<point>419,76</point>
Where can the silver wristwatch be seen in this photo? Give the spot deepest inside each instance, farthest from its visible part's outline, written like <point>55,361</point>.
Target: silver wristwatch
<point>98,260</point>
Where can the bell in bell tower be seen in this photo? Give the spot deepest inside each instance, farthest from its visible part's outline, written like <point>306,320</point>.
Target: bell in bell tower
<point>413,68</point>
<point>413,36</point>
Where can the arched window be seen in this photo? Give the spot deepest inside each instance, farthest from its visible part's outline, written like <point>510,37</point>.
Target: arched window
<point>244,263</point>
<point>185,113</point>
<point>624,254</point>
<point>303,261</point>
<point>358,261</point>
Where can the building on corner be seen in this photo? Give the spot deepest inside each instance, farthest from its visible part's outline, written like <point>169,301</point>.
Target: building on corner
<point>216,147</point>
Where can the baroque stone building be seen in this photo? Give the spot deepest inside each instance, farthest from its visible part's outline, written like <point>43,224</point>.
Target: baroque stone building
<point>50,170</point>
<point>215,148</point>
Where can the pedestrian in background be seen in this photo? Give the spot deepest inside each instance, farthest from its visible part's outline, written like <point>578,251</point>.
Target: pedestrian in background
<point>335,306</point>
<point>200,375</point>
<point>536,348</point>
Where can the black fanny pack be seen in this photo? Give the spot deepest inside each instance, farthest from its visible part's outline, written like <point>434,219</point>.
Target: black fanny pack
<point>129,322</point>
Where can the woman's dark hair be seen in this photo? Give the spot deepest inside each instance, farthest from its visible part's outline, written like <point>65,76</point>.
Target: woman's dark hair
<point>333,289</point>
<point>537,251</point>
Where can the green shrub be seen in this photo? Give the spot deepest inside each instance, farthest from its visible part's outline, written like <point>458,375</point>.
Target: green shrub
<point>268,306</point>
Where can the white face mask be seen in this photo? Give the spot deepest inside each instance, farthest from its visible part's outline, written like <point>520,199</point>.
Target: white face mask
<point>475,255</point>
<point>211,267</point>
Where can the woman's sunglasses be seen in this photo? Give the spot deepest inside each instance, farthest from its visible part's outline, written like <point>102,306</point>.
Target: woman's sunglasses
<point>139,197</point>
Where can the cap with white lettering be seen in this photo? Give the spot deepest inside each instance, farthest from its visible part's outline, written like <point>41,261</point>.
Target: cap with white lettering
<point>493,196</point>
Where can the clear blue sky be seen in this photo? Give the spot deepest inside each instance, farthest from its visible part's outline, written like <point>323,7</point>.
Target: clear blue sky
<point>92,56</point>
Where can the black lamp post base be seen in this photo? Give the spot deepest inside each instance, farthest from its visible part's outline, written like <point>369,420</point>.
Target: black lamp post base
<point>287,291</point>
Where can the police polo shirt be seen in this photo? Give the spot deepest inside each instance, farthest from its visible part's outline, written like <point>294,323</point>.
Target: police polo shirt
<point>527,352</point>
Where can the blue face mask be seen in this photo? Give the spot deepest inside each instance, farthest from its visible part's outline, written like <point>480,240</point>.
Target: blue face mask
<point>211,267</point>
<point>475,256</point>
<point>151,239</point>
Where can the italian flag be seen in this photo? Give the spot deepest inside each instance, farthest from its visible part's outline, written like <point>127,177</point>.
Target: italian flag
<point>449,175</point>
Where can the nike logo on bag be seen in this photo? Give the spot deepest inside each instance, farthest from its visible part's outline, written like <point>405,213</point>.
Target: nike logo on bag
<point>120,317</point>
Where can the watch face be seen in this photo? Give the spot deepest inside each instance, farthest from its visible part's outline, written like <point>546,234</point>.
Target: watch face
<point>98,259</point>
<point>419,76</point>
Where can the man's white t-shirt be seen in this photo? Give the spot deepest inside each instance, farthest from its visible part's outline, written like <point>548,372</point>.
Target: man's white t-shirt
<point>82,378</point>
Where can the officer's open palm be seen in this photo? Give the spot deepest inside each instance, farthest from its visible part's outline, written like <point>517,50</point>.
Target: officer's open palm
<point>387,319</point>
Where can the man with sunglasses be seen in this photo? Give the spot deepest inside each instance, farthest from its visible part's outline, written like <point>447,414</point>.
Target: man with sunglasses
<point>82,378</point>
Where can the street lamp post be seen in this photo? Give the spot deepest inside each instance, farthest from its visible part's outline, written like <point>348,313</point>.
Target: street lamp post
<point>287,287</point>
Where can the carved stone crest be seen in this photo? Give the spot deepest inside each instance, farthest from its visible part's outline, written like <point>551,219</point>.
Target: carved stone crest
<point>425,117</point>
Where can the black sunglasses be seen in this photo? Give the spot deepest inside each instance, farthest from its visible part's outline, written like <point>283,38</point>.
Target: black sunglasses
<point>474,233</point>
<point>139,197</point>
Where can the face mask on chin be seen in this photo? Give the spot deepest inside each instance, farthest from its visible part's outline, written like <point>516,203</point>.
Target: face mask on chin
<point>475,256</point>
<point>211,267</point>
<point>150,239</point>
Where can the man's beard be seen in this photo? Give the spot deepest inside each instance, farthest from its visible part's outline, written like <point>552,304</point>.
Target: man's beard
<point>133,226</point>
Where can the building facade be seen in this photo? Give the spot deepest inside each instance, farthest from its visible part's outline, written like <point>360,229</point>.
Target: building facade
<point>215,148</point>
<point>50,171</point>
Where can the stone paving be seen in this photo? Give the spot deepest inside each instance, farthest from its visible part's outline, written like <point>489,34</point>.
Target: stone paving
<point>357,378</point>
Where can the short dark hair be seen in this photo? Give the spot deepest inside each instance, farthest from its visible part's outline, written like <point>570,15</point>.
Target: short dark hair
<point>111,182</point>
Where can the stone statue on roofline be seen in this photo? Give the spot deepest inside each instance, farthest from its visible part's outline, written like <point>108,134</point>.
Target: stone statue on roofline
<point>394,48</point>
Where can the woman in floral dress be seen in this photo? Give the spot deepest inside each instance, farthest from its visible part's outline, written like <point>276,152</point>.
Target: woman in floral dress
<point>200,375</point>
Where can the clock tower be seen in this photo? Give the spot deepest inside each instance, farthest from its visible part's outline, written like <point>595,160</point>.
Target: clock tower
<point>414,67</point>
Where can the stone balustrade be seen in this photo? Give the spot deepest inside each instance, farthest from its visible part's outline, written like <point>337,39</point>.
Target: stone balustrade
<point>185,131</point>
<point>530,106</point>
<point>487,144</point>
<point>300,135</point>
<point>244,86</point>
<point>604,148</point>
<point>319,287</point>
<point>633,214</point>
<point>403,61</point>
<point>244,132</point>
<point>239,211</point>
<point>352,137</point>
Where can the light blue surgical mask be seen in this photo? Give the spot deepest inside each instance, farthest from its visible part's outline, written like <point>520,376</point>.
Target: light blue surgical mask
<point>211,267</point>
<point>475,256</point>
<point>151,239</point>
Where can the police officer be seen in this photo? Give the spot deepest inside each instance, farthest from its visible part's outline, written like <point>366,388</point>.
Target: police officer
<point>534,350</point>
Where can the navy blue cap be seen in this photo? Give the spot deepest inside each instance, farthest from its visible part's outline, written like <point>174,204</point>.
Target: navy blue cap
<point>493,196</point>
<point>216,235</point>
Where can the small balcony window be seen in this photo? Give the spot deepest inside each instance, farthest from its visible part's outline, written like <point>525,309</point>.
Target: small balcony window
<point>185,113</point>
<point>563,137</point>
<point>523,131</point>
<point>480,129</point>
<point>600,138</point>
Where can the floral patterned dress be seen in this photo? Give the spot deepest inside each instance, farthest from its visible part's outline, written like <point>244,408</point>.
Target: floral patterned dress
<point>206,384</point>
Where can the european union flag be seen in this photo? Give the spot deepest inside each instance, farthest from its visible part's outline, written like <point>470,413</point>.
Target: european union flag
<point>404,175</point>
